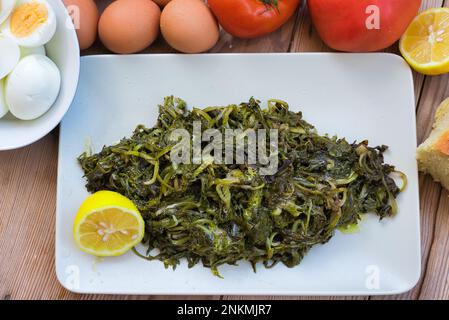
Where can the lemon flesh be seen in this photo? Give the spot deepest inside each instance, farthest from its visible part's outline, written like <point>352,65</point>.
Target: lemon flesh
<point>107,224</point>
<point>425,43</point>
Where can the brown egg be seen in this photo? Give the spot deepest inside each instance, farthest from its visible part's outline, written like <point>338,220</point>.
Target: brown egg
<point>129,26</point>
<point>84,14</point>
<point>162,2</point>
<point>189,26</point>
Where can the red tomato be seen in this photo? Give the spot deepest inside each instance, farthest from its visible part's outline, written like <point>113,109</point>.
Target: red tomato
<point>362,25</point>
<point>252,18</point>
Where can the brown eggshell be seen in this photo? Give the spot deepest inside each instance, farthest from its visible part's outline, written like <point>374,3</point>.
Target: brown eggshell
<point>85,16</point>
<point>189,26</point>
<point>129,26</point>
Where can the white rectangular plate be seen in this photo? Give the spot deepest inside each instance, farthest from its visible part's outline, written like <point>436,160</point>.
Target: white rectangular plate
<point>357,96</point>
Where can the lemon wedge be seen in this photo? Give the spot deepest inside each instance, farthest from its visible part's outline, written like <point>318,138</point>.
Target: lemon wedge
<point>425,43</point>
<point>107,224</point>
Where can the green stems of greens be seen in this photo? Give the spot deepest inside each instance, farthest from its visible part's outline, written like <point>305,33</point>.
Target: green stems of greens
<point>217,214</point>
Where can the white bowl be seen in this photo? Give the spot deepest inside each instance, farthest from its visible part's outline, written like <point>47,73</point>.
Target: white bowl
<point>63,49</point>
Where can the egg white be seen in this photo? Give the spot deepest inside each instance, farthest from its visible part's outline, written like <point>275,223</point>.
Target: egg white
<point>6,7</point>
<point>27,51</point>
<point>41,35</point>
<point>32,87</point>
<point>3,107</point>
<point>9,55</point>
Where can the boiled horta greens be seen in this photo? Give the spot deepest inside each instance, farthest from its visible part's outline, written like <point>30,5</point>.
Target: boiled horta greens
<point>221,213</point>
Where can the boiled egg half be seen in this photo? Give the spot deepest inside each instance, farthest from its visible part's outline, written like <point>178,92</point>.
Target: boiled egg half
<point>9,55</point>
<point>32,87</point>
<point>32,23</point>
<point>6,7</point>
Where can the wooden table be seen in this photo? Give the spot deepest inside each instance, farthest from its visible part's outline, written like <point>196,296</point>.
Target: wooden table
<point>28,189</point>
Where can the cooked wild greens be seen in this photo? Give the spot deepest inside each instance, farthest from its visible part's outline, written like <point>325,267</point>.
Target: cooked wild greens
<point>217,213</point>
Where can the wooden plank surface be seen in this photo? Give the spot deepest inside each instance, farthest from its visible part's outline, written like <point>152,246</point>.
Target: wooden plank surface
<point>28,189</point>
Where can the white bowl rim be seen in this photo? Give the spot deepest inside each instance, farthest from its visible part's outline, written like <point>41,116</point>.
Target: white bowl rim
<point>69,96</point>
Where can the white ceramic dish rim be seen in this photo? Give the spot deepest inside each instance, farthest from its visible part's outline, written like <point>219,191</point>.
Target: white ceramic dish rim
<point>273,292</point>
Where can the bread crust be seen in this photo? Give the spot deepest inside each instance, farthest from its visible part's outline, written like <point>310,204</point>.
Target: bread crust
<point>431,159</point>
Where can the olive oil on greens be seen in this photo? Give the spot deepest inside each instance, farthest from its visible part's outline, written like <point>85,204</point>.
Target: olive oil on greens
<point>219,213</point>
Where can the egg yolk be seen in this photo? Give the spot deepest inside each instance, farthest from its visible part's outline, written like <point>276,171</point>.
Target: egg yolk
<point>443,143</point>
<point>27,17</point>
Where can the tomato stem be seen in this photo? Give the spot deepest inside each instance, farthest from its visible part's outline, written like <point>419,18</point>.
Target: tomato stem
<point>271,3</point>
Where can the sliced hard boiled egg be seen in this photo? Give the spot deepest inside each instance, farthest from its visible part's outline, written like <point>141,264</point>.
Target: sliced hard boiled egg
<point>9,55</point>
<point>3,108</point>
<point>32,87</point>
<point>27,51</point>
<point>32,23</point>
<point>6,7</point>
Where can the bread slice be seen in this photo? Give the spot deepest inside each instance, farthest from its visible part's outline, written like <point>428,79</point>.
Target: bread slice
<point>433,154</point>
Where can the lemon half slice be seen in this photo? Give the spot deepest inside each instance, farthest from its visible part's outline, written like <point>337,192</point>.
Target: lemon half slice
<point>425,44</point>
<point>108,224</point>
